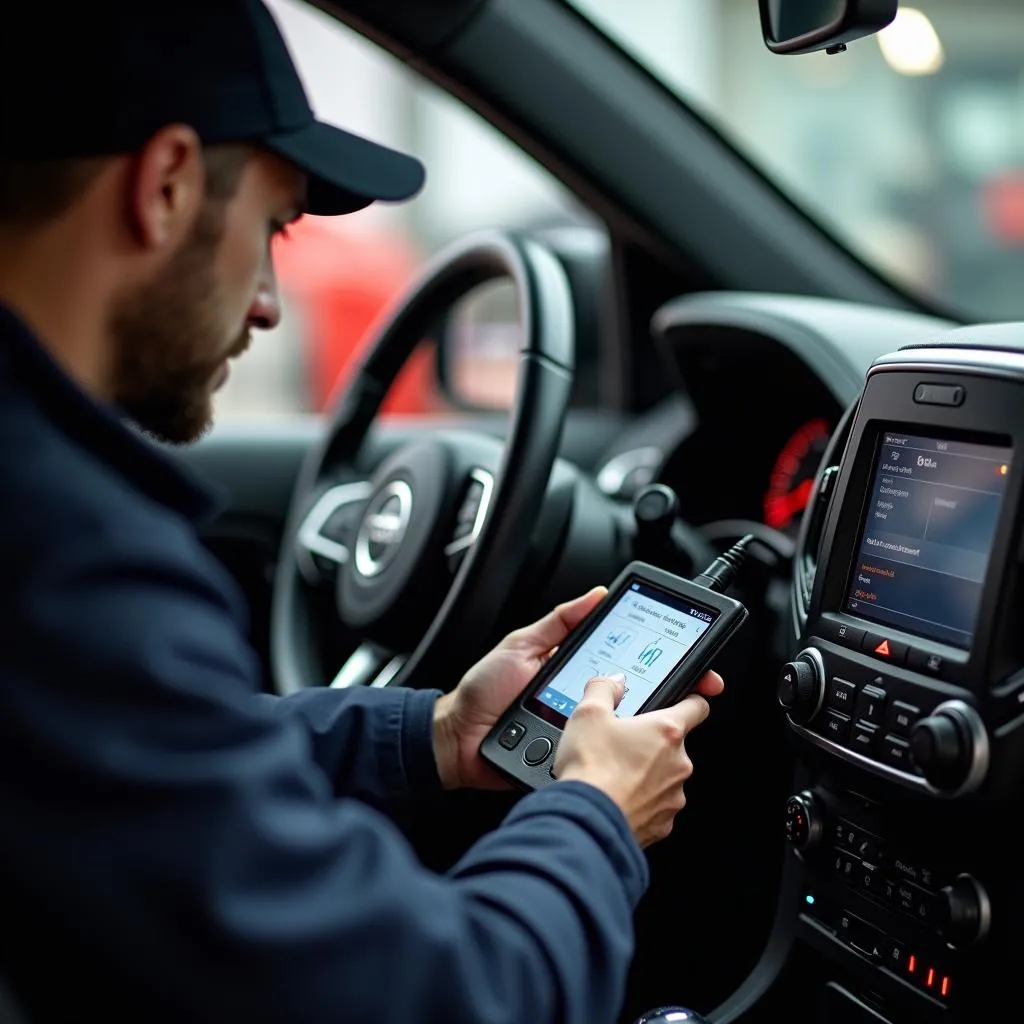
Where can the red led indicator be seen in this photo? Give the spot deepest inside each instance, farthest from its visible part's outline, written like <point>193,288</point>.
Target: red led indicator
<point>930,980</point>
<point>883,649</point>
<point>944,987</point>
<point>911,964</point>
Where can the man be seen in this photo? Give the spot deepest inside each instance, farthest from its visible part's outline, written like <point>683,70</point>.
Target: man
<point>176,846</point>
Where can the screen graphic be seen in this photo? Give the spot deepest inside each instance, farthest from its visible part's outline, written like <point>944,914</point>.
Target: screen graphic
<point>927,536</point>
<point>644,635</point>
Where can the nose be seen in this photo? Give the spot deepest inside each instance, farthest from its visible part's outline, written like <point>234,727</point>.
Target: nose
<point>265,311</point>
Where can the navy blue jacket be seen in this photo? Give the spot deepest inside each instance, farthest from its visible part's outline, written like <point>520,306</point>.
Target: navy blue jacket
<point>176,846</point>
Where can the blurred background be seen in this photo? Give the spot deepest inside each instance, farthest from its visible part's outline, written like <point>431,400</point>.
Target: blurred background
<point>909,147</point>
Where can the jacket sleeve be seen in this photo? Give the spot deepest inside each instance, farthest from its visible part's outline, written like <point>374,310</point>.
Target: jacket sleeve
<point>375,745</point>
<point>173,844</point>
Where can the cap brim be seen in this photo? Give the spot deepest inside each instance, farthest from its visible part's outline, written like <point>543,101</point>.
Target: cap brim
<point>346,172</point>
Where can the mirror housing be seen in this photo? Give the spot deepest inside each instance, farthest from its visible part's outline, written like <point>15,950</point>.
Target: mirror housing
<point>804,26</point>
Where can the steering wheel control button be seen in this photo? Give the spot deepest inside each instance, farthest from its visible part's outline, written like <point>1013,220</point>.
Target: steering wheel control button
<point>842,695</point>
<point>841,633</point>
<point>870,705</point>
<point>940,394</point>
<point>883,647</point>
<point>801,685</point>
<point>901,717</point>
<point>513,733</point>
<point>537,751</point>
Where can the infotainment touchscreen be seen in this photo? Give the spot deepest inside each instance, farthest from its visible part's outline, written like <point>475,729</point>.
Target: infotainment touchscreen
<point>927,535</point>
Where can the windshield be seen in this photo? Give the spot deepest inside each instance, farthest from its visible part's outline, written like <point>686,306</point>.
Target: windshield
<point>909,146</point>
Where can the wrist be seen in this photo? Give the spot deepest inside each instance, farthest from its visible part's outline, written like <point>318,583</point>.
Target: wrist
<point>446,745</point>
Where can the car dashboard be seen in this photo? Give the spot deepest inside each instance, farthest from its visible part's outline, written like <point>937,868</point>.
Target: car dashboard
<point>891,457</point>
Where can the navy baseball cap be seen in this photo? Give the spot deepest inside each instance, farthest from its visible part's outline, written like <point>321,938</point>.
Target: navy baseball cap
<point>100,78</point>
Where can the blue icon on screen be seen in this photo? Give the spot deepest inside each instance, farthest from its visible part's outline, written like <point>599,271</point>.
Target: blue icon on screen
<point>650,654</point>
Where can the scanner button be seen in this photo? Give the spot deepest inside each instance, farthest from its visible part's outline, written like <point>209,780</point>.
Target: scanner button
<point>513,733</point>
<point>537,751</point>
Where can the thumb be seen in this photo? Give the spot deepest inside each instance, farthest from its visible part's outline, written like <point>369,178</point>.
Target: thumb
<point>604,691</point>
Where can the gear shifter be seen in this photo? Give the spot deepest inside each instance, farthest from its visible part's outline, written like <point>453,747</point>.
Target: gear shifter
<point>662,538</point>
<point>671,1015</point>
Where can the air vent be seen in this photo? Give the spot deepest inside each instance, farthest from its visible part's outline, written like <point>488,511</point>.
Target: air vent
<point>808,545</point>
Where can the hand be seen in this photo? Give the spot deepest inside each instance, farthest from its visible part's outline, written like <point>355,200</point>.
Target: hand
<point>640,762</point>
<point>465,716</point>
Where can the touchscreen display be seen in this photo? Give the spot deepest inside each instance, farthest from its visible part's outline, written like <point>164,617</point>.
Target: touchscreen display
<point>927,537</point>
<point>644,635</point>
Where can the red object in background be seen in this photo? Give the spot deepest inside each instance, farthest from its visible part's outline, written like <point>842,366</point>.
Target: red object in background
<point>343,279</point>
<point>1003,202</point>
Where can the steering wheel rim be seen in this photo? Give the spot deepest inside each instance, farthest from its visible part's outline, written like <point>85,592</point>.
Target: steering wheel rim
<point>490,566</point>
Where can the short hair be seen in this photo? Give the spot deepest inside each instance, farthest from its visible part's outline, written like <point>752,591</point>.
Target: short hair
<point>34,192</point>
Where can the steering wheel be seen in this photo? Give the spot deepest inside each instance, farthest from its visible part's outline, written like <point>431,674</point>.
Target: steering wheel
<point>418,553</point>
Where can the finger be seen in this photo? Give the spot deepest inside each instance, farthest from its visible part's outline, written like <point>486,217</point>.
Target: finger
<point>604,691</point>
<point>551,630</point>
<point>688,713</point>
<point>711,684</point>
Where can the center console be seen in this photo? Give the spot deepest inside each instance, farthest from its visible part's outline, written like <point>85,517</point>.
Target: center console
<point>904,695</point>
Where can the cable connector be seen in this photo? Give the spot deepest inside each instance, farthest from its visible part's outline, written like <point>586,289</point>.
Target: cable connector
<point>721,573</point>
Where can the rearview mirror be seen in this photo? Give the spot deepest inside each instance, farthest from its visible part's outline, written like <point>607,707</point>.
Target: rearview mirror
<point>803,26</point>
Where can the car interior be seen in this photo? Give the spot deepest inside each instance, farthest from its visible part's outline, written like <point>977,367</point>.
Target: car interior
<point>715,362</point>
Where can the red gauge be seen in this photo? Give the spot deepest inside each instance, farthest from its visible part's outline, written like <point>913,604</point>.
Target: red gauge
<point>792,479</point>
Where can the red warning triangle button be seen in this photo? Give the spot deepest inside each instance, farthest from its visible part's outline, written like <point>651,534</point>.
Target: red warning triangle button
<point>883,649</point>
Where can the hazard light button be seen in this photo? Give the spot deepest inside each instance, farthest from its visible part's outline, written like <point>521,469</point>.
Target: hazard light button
<point>885,648</point>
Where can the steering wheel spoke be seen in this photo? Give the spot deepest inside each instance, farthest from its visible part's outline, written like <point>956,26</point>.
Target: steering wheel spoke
<point>369,665</point>
<point>323,541</point>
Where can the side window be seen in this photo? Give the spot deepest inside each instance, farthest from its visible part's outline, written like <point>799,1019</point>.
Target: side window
<point>337,275</point>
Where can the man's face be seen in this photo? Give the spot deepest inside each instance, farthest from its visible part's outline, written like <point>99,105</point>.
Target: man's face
<point>174,335</point>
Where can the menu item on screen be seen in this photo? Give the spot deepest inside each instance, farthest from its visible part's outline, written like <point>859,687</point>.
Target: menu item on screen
<point>927,536</point>
<point>645,635</point>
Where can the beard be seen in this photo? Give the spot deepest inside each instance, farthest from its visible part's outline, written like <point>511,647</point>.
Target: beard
<point>169,340</point>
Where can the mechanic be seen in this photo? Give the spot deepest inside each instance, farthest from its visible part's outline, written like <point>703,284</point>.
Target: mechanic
<point>176,845</point>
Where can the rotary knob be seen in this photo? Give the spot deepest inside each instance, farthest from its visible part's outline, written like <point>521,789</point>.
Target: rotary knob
<point>803,821</point>
<point>950,748</point>
<point>966,912</point>
<point>801,686</point>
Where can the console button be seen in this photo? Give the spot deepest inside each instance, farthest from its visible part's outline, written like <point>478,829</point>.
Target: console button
<point>868,878</point>
<point>863,937</point>
<point>901,717</point>
<point>939,394</point>
<point>840,633</point>
<point>871,704</point>
<point>882,647</point>
<point>841,695</point>
<point>537,750</point>
<point>844,865</point>
<point>862,738</point>
<point>512,734</point>
<point>895,955</point>
<point>896,752</point>
<point>836,727</point>
<point>922,661</point>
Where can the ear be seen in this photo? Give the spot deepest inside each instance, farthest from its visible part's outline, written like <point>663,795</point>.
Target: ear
<point>167,187</point>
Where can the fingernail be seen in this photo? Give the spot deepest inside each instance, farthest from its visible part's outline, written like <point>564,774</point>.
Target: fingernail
<point>619,677</point>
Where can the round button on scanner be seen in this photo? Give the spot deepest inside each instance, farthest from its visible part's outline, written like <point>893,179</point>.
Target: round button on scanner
<point>537,751</point>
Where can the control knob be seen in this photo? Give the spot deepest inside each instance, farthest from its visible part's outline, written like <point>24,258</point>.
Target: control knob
<point>803,820</point>
<point>950,748</point>
<point>802,685</point>
<point>965,912</point>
